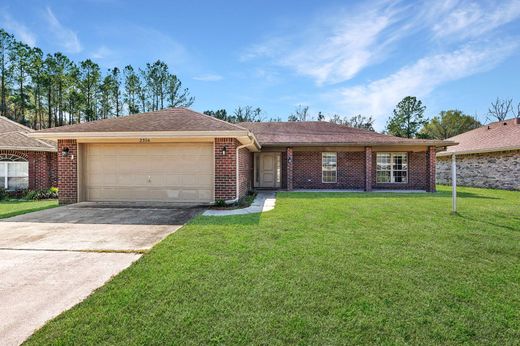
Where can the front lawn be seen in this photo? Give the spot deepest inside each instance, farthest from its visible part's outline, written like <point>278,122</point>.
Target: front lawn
<point>13,208</point>
<point>320,269</point>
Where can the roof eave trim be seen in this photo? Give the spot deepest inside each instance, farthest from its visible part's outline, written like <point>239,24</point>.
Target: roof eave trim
<point>477,151</point>
<point>137,134</point>
<point>49,149</point>
<point>357,144</point>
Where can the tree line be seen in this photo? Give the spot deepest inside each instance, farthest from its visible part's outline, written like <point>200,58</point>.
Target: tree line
<point>47,90</point>
<point>407,118</point>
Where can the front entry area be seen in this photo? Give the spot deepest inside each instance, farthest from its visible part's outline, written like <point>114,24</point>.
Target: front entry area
<point>267,170</point>
<point>147,172</point>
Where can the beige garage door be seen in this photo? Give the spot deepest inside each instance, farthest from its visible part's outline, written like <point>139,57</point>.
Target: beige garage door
<point>155,172</point>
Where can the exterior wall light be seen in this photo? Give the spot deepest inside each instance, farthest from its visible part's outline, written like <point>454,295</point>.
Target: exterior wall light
<point>65,152</point>
<point>224,150</point>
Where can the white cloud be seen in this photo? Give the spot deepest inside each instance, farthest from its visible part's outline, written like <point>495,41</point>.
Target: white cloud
<point>379,97</point>
<point>336,47</point>
<point>19,30</point>
<point>211,77</point>
<point>101,52</point>
<point>464,19</point>
<point>65,37</point>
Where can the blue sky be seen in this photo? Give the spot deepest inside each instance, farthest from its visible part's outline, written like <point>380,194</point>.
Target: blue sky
<point>341,57</point>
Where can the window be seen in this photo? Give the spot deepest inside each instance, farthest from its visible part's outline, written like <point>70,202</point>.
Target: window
<point>14,172</point>
<point>328,167</point>
<point>392,168</point>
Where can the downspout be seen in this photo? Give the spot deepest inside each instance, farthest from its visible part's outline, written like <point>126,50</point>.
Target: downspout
<point>237,188</point>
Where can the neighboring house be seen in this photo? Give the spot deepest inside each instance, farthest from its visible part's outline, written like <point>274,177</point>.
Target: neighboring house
<point>486,157</point>
<point>178,155</point>
<point>25,162</point>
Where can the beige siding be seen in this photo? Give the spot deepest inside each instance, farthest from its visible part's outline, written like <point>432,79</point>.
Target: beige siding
<point>156,172</point>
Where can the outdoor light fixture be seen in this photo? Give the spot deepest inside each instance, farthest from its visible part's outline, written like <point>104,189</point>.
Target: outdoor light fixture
<point>289,159</point>
<point>65,152</point>
<point>224,150</point>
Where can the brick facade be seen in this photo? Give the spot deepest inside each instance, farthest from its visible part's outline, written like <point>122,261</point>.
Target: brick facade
<point>368,169</point>
<point>225,169</point>
<point>417,173</point>
<point>355,170</point>
<point>307,170</point>
<point>497,170</point>
<point>43,168</point>
<point>431,157</point>
<point>68,172</point>
<point>245,171</point>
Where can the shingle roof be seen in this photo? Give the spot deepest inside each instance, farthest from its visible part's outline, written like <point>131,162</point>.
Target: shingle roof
<point>171,119</point>
<point>325,133</point>
<point>13,136</point>
<point>497,136</point>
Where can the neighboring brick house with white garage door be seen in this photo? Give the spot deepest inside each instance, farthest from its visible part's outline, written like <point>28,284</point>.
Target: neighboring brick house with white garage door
<point>486,157</point>
<point>178,155</point>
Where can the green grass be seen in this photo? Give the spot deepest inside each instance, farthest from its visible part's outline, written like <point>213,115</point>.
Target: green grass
<point>320,269</point>
<point>14,207</point>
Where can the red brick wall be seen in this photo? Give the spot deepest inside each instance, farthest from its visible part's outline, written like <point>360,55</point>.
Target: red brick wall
<point>245,171</point>
<point>368,169</point>
<point>307,170</point>
<point>417,173</point>
<point>68,172</point>
<point>225,169</point>
<point>42,172</point>
<point>431,169</point>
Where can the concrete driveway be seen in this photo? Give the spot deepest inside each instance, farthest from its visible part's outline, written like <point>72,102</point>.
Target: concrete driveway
<point>53,259</point>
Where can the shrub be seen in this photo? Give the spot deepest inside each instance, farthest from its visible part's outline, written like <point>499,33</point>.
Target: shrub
<point>220,203</point>
<point>3,193</point>
<point>51,193</point>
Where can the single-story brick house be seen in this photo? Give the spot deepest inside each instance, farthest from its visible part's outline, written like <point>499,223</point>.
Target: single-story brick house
<point>486,157</point>
<point>178,155</point>
<point>25,162</point>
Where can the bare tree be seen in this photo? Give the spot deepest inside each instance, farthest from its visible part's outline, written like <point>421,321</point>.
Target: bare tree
<point>500,109</point>
<point>301,113</point>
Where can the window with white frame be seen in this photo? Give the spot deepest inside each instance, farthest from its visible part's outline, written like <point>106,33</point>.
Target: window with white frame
<point>392,168</point>
<point>329,165</point>
<point>14,172</point>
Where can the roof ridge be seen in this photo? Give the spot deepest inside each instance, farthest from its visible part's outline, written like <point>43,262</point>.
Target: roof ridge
<point>209,116</point>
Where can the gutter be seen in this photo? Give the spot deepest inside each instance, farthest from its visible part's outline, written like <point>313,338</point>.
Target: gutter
<point>36,149</point>
<point>477,151</point>
<point>237,181</point>
<point>135,134</point>
<point>359,144</point>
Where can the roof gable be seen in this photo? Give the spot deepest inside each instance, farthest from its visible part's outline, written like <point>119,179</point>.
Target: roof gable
<point>13,136</point>
<point>497,136</point>
<point>8,125</point>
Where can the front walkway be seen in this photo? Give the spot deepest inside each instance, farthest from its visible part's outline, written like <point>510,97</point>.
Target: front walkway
<point>264,201</point>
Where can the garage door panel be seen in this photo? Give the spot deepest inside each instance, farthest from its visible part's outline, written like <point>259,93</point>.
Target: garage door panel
<point>175,172</point>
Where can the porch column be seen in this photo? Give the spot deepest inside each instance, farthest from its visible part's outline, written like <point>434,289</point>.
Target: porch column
<point>368,169</point>
<point>289,169</point>
<point>430,158</point>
